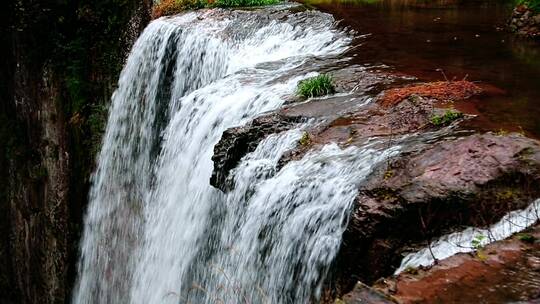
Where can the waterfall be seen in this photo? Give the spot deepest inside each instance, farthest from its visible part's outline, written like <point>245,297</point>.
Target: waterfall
<point>155,230</point>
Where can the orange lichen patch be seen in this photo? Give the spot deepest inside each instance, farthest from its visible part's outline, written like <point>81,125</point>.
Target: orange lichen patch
<point>441,90</point>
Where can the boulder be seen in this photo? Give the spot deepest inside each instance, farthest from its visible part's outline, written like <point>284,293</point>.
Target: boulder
<point>507,271</point>
<point>411,199</point>
<point>239,141</point>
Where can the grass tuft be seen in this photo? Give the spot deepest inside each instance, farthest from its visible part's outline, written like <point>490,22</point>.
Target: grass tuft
<point>316,86</point>
<point>445,119</point>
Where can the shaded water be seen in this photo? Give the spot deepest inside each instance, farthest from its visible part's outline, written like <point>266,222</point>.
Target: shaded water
<point>463,38</point>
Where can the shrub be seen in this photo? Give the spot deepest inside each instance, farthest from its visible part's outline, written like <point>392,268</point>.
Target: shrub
<point>532,4</point>
<point>316,86</point>
<point>445,119</point>
<point>171,7</point>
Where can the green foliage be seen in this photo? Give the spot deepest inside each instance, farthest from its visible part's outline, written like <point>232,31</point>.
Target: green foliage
<point>532,4</point>
<point>305,139</point>
<point>477,242</point>
<point>526,237</point>
<point>507,194</point>
<point>445,119</point>
<point>388,174</point>
<point>97,120</point>
<point>411,270</point>
<point>316,86</point>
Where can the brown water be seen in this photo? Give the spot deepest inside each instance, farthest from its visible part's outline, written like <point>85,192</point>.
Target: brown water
<point>461,38</point>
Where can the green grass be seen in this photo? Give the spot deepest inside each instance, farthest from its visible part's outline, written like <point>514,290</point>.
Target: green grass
<point>532,4</point>
<point>316,86</point>
<point>445,119</point>
<point>526,237</point>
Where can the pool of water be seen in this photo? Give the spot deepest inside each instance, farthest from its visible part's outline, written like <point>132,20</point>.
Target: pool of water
<point>463,39</point>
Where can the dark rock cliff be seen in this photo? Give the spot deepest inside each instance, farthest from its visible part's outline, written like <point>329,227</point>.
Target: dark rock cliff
<point>60,63</point>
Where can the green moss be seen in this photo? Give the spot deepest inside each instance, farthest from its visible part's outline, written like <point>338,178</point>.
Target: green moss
<point>97,121</point>
<point>316,86</point>
<point>385,194</point>
<point>445,119</point>
<point>526,237</point>
<point>411,270</point>
<point>507,194</point>
<point>501,132</point>
<point>305,140</point>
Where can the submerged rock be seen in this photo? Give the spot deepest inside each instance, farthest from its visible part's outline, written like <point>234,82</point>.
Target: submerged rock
<point>525,22</point>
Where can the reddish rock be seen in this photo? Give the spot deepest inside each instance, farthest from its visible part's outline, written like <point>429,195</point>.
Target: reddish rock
<point>472,181</point>
<point>440,90</point>
<point>502,273</point>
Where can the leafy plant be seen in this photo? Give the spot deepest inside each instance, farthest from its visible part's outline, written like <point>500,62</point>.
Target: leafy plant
<point>305,139</point>
<point>532,4</point>
<point>477,242</point>
<point>445,119</point>
<point>316,86</point>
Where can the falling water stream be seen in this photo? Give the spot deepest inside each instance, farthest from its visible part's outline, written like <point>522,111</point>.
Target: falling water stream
<point>155,230</point>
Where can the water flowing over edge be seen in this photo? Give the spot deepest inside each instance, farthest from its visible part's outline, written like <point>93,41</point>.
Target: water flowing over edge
<point>155,230</point>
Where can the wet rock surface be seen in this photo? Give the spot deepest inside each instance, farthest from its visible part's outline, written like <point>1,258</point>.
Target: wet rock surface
<point>363,294</point>
<point>237,142</point>
<point>470,181</point>
<point>502,272</point>
<point>525,22</point>
<point>444,178</point>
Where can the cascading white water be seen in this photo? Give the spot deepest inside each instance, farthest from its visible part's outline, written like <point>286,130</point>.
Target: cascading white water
<point>155,230</point>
